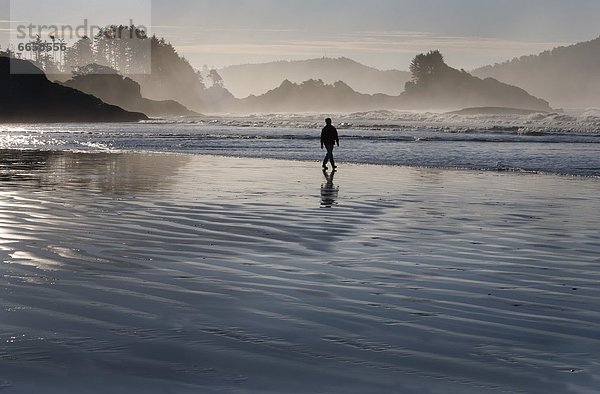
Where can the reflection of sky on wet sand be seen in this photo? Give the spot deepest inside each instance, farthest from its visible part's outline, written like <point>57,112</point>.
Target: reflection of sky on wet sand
<point>26,177</point>
<point>117,173</point>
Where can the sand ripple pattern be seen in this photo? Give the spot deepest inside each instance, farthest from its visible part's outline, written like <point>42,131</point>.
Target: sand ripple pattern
<point>184,274</point>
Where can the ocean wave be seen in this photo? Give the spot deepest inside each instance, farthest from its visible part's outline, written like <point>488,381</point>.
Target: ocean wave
<point>550,149</point>
<point>585,122</point>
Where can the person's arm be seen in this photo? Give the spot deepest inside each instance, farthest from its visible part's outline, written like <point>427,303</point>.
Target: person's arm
<point>337,138</point>
<point>322,135</point>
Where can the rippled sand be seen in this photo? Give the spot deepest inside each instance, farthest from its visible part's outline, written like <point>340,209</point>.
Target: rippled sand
<point>130,273</point>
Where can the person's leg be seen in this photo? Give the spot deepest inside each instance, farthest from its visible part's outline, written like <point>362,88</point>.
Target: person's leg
<point>329,157</point>
<point>330,154</point>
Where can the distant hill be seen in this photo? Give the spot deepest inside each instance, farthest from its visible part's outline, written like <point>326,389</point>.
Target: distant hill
<point>566,76</point>
<point>256,79</point>
<point>314,95</point>
<point>106,84</point>
<point>26,95</point>
<point>435,85</point>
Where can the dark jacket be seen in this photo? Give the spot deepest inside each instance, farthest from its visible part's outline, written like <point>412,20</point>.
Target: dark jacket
<point>329,135</point>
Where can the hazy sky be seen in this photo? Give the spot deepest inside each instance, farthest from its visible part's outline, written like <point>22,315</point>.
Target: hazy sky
<point>380,33</point>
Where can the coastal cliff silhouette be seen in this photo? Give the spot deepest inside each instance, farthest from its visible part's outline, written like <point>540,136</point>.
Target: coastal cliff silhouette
<point>28,96</point>
<point>112,88</point>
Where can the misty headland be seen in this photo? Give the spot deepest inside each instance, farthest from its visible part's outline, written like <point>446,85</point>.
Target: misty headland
<point>176,89</point>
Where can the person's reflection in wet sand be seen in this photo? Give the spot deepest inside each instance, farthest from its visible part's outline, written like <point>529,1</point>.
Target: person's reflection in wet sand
<point>329,192</point>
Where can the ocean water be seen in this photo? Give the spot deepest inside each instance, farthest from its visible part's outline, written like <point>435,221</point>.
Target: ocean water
<point>548,143</point>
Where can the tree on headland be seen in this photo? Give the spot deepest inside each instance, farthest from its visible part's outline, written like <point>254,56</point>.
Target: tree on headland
<point>216,79</point>
<point>425,67</point>
<point>79,54</point>
<point>124,48</point>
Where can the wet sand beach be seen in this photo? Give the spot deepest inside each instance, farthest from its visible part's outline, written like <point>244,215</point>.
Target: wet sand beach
<point>167,273</point>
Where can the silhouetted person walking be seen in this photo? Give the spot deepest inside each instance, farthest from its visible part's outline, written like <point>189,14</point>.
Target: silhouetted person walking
<point>329,137</point>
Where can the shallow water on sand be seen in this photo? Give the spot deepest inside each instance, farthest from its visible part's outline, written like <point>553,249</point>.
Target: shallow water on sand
<point>174,273</point>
